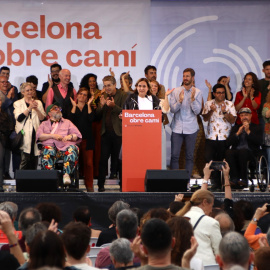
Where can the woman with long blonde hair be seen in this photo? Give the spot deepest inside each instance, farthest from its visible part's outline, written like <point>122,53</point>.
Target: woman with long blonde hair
<point>206,229</point>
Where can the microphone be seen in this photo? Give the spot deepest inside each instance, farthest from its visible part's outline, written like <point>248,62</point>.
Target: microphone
<point>134,103</point>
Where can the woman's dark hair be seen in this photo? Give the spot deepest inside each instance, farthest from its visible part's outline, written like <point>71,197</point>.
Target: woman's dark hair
<point>243,210</point>
<point>49,211</point>
<point>148,85</point>
<point>255,83</point>
<point>47,249</point>
<point>182,231</point>
<point>85,79</point>
<point>223,77</point>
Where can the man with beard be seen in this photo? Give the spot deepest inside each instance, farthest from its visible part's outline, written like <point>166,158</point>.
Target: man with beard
<point>59,137</point>
<point>186,104</point>
<point>62,93</point>
<point>245,141</point>
<point>52,80</point>
<point>150,73</point>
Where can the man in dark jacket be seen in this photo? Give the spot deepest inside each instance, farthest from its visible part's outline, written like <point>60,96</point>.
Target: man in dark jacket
<point>245,141</point>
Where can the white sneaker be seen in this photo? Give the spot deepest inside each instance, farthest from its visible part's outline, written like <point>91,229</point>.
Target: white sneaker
<point>66,179</point>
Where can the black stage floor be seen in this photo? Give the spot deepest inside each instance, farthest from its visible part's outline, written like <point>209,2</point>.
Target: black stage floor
<point>99,203</point>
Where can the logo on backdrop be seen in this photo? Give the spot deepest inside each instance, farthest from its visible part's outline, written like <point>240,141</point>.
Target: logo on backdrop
<point>165,58</point>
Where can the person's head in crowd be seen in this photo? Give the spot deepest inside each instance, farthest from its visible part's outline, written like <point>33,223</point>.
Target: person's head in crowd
<point>83,95</point>
<point>160,213</point>
<point>54,111</point>
<point>234,250</point>
<point>182,231</point>
<point>251,81</point>
<point>115,209</point>
<point>188,77</point>
<point>223,80</point>
<point>121,253</point>
<point>150,73</point>
<point>26,90</point>
<point>243,213</point>
<point>33,80</point>
<point>176,206</point>
<point>225,222</point>
<point>157,239</point>
<point>55,69</point>
<point>27,218</point>
<point>200,198</point>
<point>82,214</point>
<point>142,87</point>
<point>11,208</point>
<point>89,81</point>
<point>219,91</point>
<point>31,232</point>
<point>266,69</point>
<point>155,87</point>
<point>49,211</point>
<point>245,115</point>
<point>109,84</point>
<point>127,224</point>
<point>128,80</point>
<point>76,237</point>
<point>64,76</point>
<point>5,71</point>
<point>262,258</point>
<point>216,211</point>
<point>3,84</point>
<point>47,249</point>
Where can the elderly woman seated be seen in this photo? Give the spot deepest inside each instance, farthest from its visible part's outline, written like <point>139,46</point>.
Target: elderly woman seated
<point>59,137</point>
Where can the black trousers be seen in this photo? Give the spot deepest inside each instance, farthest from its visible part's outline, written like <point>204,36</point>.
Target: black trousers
<point>110,146</point>
<point>238,159</point>
<point>215,150</point>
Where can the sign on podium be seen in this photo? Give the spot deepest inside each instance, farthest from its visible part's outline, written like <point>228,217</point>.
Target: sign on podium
<point>141,146</point>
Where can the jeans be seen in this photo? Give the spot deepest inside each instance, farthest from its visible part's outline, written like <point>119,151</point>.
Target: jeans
<point>176,144</point>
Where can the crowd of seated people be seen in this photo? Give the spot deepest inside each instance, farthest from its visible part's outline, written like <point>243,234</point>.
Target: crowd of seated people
<point>198,235</point>
<point>85,127</point>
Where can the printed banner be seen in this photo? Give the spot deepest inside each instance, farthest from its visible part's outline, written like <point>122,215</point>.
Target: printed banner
<point>83,36</point>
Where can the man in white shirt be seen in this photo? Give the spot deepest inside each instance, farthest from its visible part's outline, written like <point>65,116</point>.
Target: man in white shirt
<point>220,115</point>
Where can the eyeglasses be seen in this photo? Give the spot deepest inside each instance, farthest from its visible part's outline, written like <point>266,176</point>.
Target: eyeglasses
<point>220,93</point>
<point>56,109</point>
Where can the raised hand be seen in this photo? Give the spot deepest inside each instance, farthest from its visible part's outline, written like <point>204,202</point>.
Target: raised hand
<point>169,91</point>
<point>110,102</point>
<point>244,92</point>
<point>223,107</point>
<point>50,81</point>
<point>111,72</point>
<point>73,102</point>
<point>213,107</point>
<point>90,100</point>
<point>208,84</point>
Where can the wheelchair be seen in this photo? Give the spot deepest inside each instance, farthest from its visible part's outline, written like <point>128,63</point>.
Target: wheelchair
<point>258,169</point>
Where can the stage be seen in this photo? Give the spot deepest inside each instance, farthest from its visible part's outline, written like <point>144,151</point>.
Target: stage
<point>99,203</point>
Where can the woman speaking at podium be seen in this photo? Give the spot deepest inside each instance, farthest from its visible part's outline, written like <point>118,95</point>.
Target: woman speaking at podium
<point>142,99</point>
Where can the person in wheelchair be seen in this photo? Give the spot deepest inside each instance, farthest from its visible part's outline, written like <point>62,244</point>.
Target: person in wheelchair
<point>59,137</point>
<point>245,141</point>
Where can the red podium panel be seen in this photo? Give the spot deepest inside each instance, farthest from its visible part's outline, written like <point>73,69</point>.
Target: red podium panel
<point>141,146</point>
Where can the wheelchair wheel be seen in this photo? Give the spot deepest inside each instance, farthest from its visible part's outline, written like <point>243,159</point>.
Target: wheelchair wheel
<point>263,174</point>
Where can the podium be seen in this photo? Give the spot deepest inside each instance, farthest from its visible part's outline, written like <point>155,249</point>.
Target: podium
<point>141,146</point>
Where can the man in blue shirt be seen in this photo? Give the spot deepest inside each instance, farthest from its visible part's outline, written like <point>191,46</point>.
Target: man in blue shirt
<point>186,104</point>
